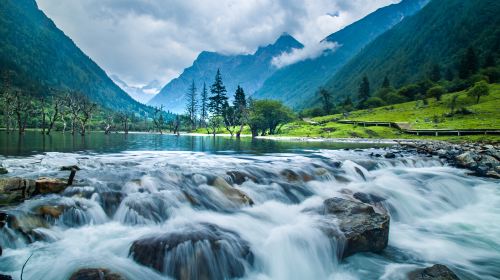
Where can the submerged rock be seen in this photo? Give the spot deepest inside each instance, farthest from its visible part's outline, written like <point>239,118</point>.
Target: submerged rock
<point>363,230</point>
<point>239,177</point>
<point>203,251</point>
<point>233,194</point>
<point>95,274</point>
<point>5,277</point>
<point>3,170</point>
<point>435,272</point>
<point>390,155</point>
<point>368,198</point>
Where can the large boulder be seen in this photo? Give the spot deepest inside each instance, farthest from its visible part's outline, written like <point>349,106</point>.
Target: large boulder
<point>231,193</point>
<point>95,274</point>
<point>3,170</point>
<point>362,229</point>
<point>435,272</point>
<point>15,190</point>
<point>5,277</point>
<point>203,251</point>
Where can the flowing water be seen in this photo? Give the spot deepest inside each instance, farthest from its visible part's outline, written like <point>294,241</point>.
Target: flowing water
<point>438,213</point>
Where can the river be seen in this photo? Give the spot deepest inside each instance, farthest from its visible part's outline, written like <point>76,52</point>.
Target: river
<point>141,186</point>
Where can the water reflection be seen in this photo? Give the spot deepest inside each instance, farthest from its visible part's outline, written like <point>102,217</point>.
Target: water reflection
<point>34,143</point>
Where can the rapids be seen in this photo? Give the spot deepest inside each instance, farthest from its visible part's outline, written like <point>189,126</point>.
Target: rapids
<point>439,214</point>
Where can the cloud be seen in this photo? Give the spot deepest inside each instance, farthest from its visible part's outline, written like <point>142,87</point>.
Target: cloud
<point>310,51</point>
<point>147,40</point>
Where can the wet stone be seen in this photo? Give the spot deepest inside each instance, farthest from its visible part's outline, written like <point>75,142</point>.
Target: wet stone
<point>95,274</point>
<point>435,272</point>
<point>191,252</point>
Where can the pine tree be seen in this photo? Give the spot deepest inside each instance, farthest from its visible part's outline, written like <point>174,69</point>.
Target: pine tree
<point>364,90</point>
<point>204,105</point>
<point>192,105</point>
<point>219,97</point>
<point>435,73</point>
<point>240,109</point>
<point>469,64</point>
<point>326,98</point>
<point>386,83</point>
<point>239,98</point>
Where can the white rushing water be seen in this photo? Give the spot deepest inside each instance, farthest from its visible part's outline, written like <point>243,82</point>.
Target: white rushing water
<point>438,214</point>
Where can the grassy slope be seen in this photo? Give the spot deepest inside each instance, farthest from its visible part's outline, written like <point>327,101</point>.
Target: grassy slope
<point>486,115</point>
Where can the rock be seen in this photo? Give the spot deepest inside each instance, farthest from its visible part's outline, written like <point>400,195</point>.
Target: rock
<point>239,177</point>
<point>368,198</point>
<point>110,201</point>
<point>3,170</point>
<point>489,161</point>
<point>363,229</point>
<point>203,251</point>
<point>5,277</point>
<point>390,155</point>
<point>321,171</point>
<point>230,192</point>
<point>290,175</point>
<point>70,168</point>
<point>467,160</point>
<point>95,274</point>
<point>15,190</point>
<point>435,272</point>
<point>50,185</point>
<point>51,211</point>
<point>1,251</point>
<point>493,174</point>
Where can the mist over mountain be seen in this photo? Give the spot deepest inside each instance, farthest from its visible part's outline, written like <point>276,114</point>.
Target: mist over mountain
<point>141,94</point>
<point>249,71</point>
<point>297,84</point>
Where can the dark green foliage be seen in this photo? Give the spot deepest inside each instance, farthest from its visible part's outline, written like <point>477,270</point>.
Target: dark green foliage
<point>204,104</point>
<point>41,57</point>
<point>435,34</point>
<point>374,102</point>
<point>239,98</point>
<point>364,90</point>
<point>386,83</point>
<point>480,89</point>
<point>219,97</point>
<point>326,99</point>
<point>436,92</point>
<point>267,116</point>
<point>435,73</point>
<point>469,64</point>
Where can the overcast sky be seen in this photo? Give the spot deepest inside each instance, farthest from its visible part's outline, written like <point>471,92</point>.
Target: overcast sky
<point>145,40</point>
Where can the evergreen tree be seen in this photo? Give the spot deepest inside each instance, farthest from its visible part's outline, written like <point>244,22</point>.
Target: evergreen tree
<point>364,90</point>
<point>239,99</point>
<point>204,105</point>
<point>489,60</point>
<point>219,97</point>
<point>435,73</point>
<point>191,105</point>
<point>449,75</point>
<point>326,98</point>
<point>386,83</point>
<point>469,64</point>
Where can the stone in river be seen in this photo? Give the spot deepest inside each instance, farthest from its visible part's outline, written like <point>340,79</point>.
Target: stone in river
<point>15,190</point>
<point>231,193</point>
<point>435,272</point>
<point>201,251</point>
<point>5,277</point>
<point>50,185</point>
<point>363,230</point>
<point>95,274</point>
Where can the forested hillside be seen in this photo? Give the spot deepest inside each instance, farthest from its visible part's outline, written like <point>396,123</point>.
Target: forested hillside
<point>435,39</point>
<point>38,57</point>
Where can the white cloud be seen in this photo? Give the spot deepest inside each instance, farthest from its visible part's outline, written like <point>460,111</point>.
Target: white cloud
<point>310,51</point>
<point>147,40</point>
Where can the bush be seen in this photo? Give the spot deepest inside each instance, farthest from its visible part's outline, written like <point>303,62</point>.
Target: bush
<point>394,98</point>
<point>374,102</point>
<point>436,92</point>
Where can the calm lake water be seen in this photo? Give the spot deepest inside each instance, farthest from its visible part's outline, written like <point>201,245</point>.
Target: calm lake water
<point>34,143</point>
<point>139,188</point>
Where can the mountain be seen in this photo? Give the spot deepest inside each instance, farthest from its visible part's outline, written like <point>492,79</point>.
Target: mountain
<point>439,34</point>
<point>40,56</point>
<point>298,83</point>
<point>141,94</point>
<point>248,71</point>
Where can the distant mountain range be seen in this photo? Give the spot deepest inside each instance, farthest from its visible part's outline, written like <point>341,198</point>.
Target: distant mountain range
<point>298,83</point>
<point>143,93</point>
<point>249,71</point>
<point>39,56</point>
<point>439,34</point>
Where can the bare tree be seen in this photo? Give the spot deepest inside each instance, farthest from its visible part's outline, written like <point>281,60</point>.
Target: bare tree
<point>57,104</point>
<point>204,106</point>
<point>74,109</point>
<point>124,119</point>
<point>192,105</point>
<point>23,109</point>
<point>108,124</point>
<point>87,108</point>
<point>7,99</point>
